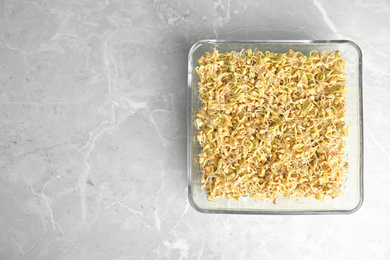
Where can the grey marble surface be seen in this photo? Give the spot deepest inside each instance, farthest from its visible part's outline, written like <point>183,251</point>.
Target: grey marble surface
<point>93,130</point>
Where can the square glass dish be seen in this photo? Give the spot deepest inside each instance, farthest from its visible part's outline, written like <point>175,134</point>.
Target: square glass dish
<point>352,197</point>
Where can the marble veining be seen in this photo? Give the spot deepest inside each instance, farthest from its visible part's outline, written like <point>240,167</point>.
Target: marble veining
<point>93,130</point>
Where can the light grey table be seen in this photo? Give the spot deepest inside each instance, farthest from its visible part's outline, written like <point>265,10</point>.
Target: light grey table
<point>93,131</point>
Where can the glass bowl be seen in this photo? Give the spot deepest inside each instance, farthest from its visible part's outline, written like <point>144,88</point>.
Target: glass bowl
<point>352,197</point>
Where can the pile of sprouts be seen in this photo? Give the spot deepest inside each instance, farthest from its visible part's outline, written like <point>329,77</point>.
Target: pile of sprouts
<point>272,124</point>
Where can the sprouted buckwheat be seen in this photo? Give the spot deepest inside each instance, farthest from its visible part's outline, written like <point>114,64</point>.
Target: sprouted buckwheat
<point>272,124</point>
